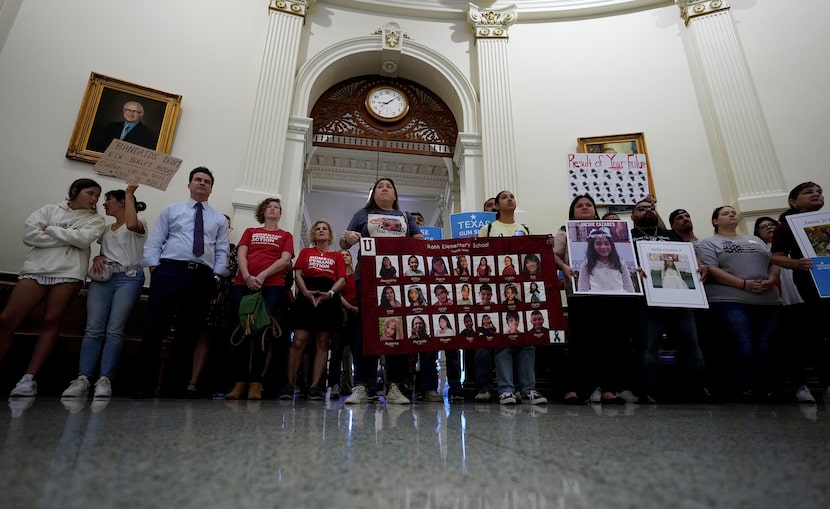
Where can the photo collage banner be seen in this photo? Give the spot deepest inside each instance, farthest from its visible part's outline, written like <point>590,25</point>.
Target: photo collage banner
<point>419,295</point>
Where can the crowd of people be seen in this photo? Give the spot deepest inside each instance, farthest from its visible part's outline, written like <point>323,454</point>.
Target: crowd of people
<point>759,288</point>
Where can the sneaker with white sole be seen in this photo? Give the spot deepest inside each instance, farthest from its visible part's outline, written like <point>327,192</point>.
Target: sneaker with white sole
<point>26,387</point>
<point>483,396</point>
<point>596,396</point>
<point>534,398</point>
<point>357,396</point>
<point>803,395</point>
<point>628,396</point>
<point>103,388</point>
<point>432,397</point>
<point>78,388</point>
<point>395,396</point>
<point>507,398</point>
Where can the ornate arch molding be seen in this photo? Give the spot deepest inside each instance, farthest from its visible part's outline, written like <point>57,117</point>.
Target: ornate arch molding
<point>360,56</point>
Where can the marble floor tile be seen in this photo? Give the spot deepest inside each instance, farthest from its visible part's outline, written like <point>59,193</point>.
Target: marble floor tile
<point>203,454</point>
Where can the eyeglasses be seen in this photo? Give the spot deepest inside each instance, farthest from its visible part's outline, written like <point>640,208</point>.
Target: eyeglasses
<point>644,208</point>
<point>767,226</point>
<point>128,110</point>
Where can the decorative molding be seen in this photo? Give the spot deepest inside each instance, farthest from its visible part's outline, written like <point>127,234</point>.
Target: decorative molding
<point>493,23</point>
<point>295,7</point>
<point>690,9</point>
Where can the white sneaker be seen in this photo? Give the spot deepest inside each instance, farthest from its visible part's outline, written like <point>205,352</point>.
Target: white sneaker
<point>395,396</point>
<point>826,395</point>
<point>20,405</point>
<point>803,395</point>
<point>26,387</point>
<point>433,397</point>
<point>534,398</point>
<point>483,396</point>
<point>596,396</point>
<point>507,398</point>
<point>357,396</point>
<point>628,396</point>
<point>103,388</point>
<point>77,388</point>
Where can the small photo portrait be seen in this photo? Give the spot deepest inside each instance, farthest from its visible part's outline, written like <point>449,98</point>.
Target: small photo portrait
<point>387,266</point>
<point>442,295</point>
<point>507,264</point>
<point>438,266</point>
<point>537,320</point>
<point>390,329</point>
<point>418,327</point>
<point>461,266</point>
<point>532,265</point>
<point>484,294</point>
<point>389,297</point>
<point>483,266</point>
<point>464,294</point>
<point>467,324</point>
<point>511,293</point>
<point>670,271</point>
<point>414,266</point>
<point>512,322</point>
<point>443,325</point>
<point>534,291</point>
<point>488,323</point>
<point>416,296</point>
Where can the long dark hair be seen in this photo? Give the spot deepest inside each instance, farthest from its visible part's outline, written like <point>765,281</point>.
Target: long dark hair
<point>372,204</point>
<point>576,199</point>
<point>121,195</point>
<point>794,192</point>
<point>613,257</point>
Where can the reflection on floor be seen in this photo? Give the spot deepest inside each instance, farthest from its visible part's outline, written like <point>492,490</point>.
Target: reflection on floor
<point>202,454</point>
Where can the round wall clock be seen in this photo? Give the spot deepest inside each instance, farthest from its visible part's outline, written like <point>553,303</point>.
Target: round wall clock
<point>387,103</point>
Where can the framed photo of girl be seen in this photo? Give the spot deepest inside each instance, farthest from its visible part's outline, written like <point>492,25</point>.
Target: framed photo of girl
<point>603,255</point>
<point>116,109</point>
<point>672,278</point>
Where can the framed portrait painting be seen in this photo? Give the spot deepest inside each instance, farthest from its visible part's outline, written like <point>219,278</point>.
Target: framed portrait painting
<point>116,109</point>
<point>614,169</point>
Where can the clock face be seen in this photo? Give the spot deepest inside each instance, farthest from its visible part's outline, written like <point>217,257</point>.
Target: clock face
<point>387,103</point>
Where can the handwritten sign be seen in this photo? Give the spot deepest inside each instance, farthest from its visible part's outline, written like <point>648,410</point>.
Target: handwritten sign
<point>123,159</point>
<point>612,179</point>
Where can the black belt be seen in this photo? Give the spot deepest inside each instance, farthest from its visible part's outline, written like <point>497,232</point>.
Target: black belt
<point>186,265</point>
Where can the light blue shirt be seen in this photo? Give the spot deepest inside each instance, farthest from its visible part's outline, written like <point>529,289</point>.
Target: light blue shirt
<point>172,237</point>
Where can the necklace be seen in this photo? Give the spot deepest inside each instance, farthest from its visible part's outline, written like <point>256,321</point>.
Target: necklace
<point>652,234</point>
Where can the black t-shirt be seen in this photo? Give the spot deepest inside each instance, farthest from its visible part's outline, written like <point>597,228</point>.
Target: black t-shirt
<point>783,241</point>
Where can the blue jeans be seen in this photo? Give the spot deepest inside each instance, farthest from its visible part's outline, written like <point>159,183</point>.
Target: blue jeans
<point>750,329</point>
<point>108,307</point>
<point>484,368</point>
<point>526,357</point>
<point>680,324</point>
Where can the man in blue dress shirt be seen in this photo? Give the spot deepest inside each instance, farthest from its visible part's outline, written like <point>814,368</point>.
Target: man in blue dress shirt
<point>184,266</point>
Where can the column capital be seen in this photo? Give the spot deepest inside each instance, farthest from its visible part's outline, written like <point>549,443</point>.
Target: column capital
<point>492,23</point>
<point>295,7</point>
<point>690,9</point>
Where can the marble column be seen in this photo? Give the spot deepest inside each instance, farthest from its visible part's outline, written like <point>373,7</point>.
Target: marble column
<point>497,139</point>
<point>744,148</point>
<point>262,170</point>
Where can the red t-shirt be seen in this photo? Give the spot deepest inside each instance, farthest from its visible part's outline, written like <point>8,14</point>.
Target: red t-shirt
<point>313,263</point>
<point>264,248</point>
<point>349,292</point>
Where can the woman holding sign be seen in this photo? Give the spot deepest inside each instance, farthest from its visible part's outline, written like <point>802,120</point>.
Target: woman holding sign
<point>373,220</point>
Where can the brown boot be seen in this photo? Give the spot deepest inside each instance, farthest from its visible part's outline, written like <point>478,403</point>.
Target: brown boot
<point>255,391</point>
<point>238,391</point>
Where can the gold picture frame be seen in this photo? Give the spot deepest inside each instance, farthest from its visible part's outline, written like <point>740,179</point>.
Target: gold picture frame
<point>103,109</point>
<point>631,143</point>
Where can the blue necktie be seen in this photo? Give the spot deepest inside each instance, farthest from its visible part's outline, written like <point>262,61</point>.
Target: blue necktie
<point>125,130</point>
<point>199,232</point>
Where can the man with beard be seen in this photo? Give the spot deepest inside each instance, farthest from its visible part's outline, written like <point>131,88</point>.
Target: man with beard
<point>681,224</point>
<point>652,322</point>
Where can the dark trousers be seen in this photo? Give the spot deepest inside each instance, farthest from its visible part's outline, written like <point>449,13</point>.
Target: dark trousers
<point>183,293</point>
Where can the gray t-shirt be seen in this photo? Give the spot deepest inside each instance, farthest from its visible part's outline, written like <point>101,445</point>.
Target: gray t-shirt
<point>744,256</point>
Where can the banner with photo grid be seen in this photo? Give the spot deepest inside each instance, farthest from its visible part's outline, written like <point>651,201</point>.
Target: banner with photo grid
<point>419,295</point>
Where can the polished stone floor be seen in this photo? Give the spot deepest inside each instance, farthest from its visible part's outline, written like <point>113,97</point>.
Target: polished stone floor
<point>205,454</point>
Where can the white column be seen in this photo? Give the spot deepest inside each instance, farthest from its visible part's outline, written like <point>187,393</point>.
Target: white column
<point>262,169</point>
<point>468,158</point>
<point>298,144</point>
<point>497,142</point>
<point>746,150</point>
